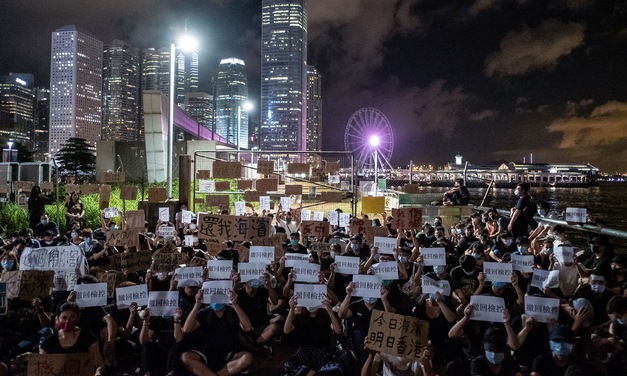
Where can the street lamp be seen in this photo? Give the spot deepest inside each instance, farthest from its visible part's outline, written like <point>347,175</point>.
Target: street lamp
<point>374,142</point>
<point>10,143</point>
<point>247,106</point>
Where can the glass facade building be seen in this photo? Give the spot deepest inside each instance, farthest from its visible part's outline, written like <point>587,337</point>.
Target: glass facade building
<point>231,94</point>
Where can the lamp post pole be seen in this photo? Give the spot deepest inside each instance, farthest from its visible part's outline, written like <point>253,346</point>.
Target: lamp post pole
<point>170,154</point>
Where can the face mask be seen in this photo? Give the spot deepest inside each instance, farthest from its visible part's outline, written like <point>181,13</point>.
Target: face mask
<point>354,246</point>
<point>498,285</point>
<point>114,228</point>
<point>522,250</point>
<point>293,243</point>
<point>597,288</point>
<point>74,235</point>
<point>460,231</point>
<point>547,251</point>
<point>494,357</point>
<point>162,276</point>
<point>370,300</point>
<point>517,192</point>
<point>507,242</point>
<point>192,226</point>
<point>288,220</point>
<point>469,272</point>
<point>439,269</point>
<point>561,348</point>
<point>387,283</point>
<point>67,326</point>
<point>432,297</point>
<point>87,240</point>
<point>167,237</point>
<point>403,259</point>
<point>8,264</point>
<point>44,221</point>
<point>542,213</point>
<point>217,306</point>
<point>476,255</point>
<point>254,283</point>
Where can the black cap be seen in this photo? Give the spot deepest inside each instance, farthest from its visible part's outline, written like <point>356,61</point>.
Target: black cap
<point>600,240</point>
<point>356,238</point>
<point>468,262</point>
<point>562,333</point>
<point>494,339</point>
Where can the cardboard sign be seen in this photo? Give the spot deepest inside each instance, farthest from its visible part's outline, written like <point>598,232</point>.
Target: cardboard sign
<point>314,228</point>
<point>306,272</point>
<point>487,308</point>
<point>332,196</point>
<point>128,192</point>
<point>163,303</point>
<point>60,364</point>
<point>217,200</point>
<point>542,309</point>
<point>28,284</point>
<point>522,263</point>
<point>156,194</point>
<point>223,186</point>
<point>167,262</point>
<point>227,170</point>
<point>543,279</point>
<point>498,271</point>
<point>104,196</point>
<point>411,188</point>
<point>386,245</point>
<point>370,232</point>
<point>89,189</point>
<point>310,295</point>
<point>243,185</point>
<point>407,218</point>
<point>3,298</point>
<point>347,265</point>
<point>430,286</point>
<point>433,256</point>
<point>261,254</point>
<point>214,227</point>
<point>265,167</point>
<point>206,186</point>
<point>132,261</point>
<point>203,174</point>
<point>110,176</point>
<point>397,335</point>
<point>131,294</point>
<point>250,270</point>
<point>217,292</point>
<point>111,213</point>
<point>367,286</point>
<point>91,295</point>
<point>4,188</point>
<point>219,269</point>
<point>67,262</point>
<point>257,228</point>
<point>373,204</point>
<point>358,226</point>
<point>46,186</point>
<point>72,188</point>
<point>298,168</point>
<point>252,196</point>
<point>135,220</point>
<point>110,277</point>
<point>386,270</point>
<point>577,215</point>
<point>295,189</point>
<point>564,254</point>
<point>332,167</point>
<point>122,238</point>
<point>267,185</point>
<point>188,276</point>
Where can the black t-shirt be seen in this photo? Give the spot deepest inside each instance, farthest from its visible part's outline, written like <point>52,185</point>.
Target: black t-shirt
<point>537,342</point>
<point>314,332</point>
<point>438,326</point>
<point>220,334</point>
<point>255,306</point>
<point>545,366</point>
<point>479,367</point>
<point>85,339</point>
<point>361,314</point>
<point>598,302</point>
<point>467,283</point>
<point>164,330</point>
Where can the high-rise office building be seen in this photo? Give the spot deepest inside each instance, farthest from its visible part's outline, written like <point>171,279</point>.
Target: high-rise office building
<point>75,87</point>
<point>283,75</point>
<point>120,92</point>
<point>40,124</point>
<point>186,75</point>
<point>16,106</point>
<point>314,109</point>
<point>199,106</point>
<point>231,94</point>
<point>156,73</point>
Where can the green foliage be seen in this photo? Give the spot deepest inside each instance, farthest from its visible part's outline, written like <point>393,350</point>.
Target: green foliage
<point>77,158</point>
<point>13,217</point>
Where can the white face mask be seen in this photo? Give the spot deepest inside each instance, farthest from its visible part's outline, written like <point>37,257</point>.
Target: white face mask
<point>517,192</point>
<point>192,226</point>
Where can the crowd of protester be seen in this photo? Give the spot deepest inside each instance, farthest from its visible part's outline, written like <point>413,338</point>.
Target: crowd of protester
<point>588,336</point>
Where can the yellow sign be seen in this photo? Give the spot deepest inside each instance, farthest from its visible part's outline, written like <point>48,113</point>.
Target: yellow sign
<point>373,204</point>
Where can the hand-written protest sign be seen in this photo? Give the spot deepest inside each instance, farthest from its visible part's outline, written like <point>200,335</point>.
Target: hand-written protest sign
<point>261,254</point>
<point>228,170</point>
<point>206,186</point>
<point>487,308</point>
<point>373,204</point>
<point>320,247</point>
<point>498,271</point>
<point>433,256</point>
<point>305,215</point>
<point>542,309</point>
<point>385,245</point>
<point>522,263</point>
<point>240,207</point>
<point>203,174</point>
<point>157,194</point>
<point>243,185</point>
<point>123,238</point>
<point>131,294</point>
<point>345,219</point>
<point>294,189</point>
<point>128,192</point>
<point>163,303</point>
<point>367,286</point>
<point>167,262</point>
<point>267,185</point>
<point>251,196</point>
<point>407,218</point>
<point>333,218</point>
<point>333,179</point>
<point>135,220</point>
<point>3,298</point>
<point>217,200</point>
<point>132,261</point>
<point>543,279</point>
<point>111,212</point>
<point>265,167</point>
<point>411,188</point>
<point>217,292</point>
<point>68,263</point>
<point>250,270</point>
<point>258,227</point>
<point>286,203</point>
<point>430,286</point>
<point>577,215</point>
<point>306,272</point>
<point>293,258</point>
<point>88,189</point>
<point>347,265</point>
<point>564,254</point>
<point>317,229</point>
<point>164,214</point>
<point>214,227</point>
<point>110,176</point>
<point>109,277</point>
<point>264,202</point>
<point>104,196</point>
<point>76,364</point>
<point>298,168</point>
<point>332,167</point>
<point>398,335</point>
<point>223,186</point>
<point>358,226</point>
<point>188,276</point>
<point>386,270</point>
<point>219,269</point>
<point>318,216</point>
<point>331,196</point>
<point>371,232</point>
<point>310,295</point>
<point>91,295</point>
<point>28,284</point>
<point>186,217</point>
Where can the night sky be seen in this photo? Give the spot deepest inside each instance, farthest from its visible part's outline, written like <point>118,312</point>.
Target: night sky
<point>493,80</point>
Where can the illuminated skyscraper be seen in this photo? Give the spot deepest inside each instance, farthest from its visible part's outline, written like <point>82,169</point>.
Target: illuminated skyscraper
<point>283,75</point>
<point>186,75</point>
<point>75,87</point>
<point>314,109</point>
<point>199,106</point>
<point>120,92</point>
<point>156,73</point>
<point>16,106</point>
<point>231,92</point>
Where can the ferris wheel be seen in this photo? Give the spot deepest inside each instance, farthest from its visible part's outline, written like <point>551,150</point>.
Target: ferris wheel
<point>367,132</point>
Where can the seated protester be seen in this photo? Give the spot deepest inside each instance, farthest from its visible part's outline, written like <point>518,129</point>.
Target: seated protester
<point>464,280</point>
<point>478,251</point>
<point>523,245</point>
<point>158,338</point>
<point>310,330</point>
<point>426,236</point>
<point>495,223</point>
<point>543,211</point>
<point>466,240</point>
<point>98,252</point>
<point>485,240</point>
<point>568,276</point>
<point>44,225</point>
<point>617,313</point>
<point>496,358</point>
<point>442,242</point>
<point>357,248</point>
<point>556,362</point>
<point>542,259</point>
<point>8,262</point>
<point>596,293</point>
<point>458,195</point>
<point>599,262</point>
<point>216,348</point>
<point>49,239</point>
<point>503,246</point>
<point>396,365</point>
<point>74,235</point>
<point>510,292</point>
<point>533,339</point>
<point>295,246</point>
<point>476,220</point>
<point>87,241</point>
<point>71,339</point>
<point>618,283</point>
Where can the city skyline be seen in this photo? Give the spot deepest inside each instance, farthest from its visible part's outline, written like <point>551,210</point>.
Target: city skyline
<point>492,80</point>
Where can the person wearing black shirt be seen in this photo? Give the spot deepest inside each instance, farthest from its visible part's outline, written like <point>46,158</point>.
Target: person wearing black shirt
<point>357,248</point>
<point>295,246</point>
<point>458,195</point>
<point>522,213</point>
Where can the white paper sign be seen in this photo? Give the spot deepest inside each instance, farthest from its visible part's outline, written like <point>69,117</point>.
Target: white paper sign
<point>240,207</point>
<point>189,241</point>
<point>522,263</point>
<point>167,230</point>
<point>292,258</point>
<point>163,303</point>
<point>264,202</point>
<point>305,215</point>
<point>186,216</point>
<point>111,213</point>
<point>333,218</point>
<point>334,179</point>
<point>542,309</point>
<point>433,256</point>
<point>564,254</point>
<point>188,276</point>
<point>545,279</point>
<point>219,269</point>
<point>164,214</point>
<point>217,292</point>
<point>487,308</point>
<point>307,272</point>
<point>68,263</point>
<point>251,270</point>
<point>318,216</point>
<point>497,271</point>
<point>91,295</point>
<point>430,286</point>
<point>345,219</point>
<point>577,215</point>
<point>261,254</point>
<point>386,270</point>
<point>206,186</point>
<point>286,203</point>
<point>347,265</point>
<point>131,294</point>
<point>386,245</point>
<point>367,286</point>
<point>310,296</point>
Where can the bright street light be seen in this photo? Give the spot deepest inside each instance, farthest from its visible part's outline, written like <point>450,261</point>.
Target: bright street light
<point>247,106</point>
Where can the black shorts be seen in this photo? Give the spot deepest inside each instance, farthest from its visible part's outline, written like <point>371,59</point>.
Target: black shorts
<point>216,360</point>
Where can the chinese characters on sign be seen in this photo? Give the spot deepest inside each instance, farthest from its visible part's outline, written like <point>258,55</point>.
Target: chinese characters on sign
<point>397,335</point>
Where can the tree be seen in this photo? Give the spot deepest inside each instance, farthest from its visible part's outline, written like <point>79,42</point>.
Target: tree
<point>76,159</point>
